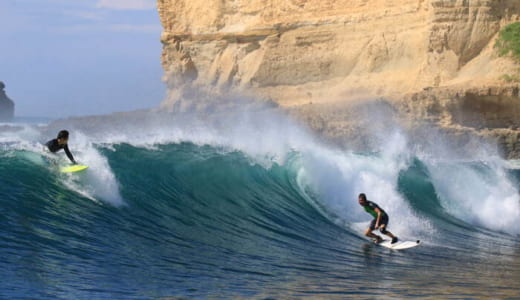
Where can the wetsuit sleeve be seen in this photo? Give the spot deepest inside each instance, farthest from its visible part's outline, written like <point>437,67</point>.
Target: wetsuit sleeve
<point>49,145</point>
<point>69,155</point>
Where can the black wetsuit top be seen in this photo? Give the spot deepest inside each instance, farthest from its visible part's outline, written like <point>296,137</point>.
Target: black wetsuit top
<point>54,147</point>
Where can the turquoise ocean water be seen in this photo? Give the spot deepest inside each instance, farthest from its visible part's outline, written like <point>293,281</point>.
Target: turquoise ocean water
<point>250,208</point>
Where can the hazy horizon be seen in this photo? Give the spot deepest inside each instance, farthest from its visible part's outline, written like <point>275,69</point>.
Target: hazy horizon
<point>63,59</point>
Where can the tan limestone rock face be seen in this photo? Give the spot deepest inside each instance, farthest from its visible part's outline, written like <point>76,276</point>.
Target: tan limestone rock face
<point>298,52</point>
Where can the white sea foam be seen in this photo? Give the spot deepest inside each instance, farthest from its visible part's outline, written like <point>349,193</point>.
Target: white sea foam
<point>269,136</point>
<point>97,183</point>
<point>338,177</point>
<point>480,194</point>
<point>482,198</point>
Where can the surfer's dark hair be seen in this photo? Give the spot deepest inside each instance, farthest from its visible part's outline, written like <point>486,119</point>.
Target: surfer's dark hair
<point>363,196</point>
<point>64,134</point>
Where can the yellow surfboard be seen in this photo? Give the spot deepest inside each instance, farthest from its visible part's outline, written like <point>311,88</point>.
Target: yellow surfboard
<point>73,169</point>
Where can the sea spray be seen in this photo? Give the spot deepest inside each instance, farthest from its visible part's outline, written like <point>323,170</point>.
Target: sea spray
<point>199,217</point>
<point>268,136</point>
<point>99,181</point>
<point>480,194</point>
<point>471,181</point>
<point>339,177</point>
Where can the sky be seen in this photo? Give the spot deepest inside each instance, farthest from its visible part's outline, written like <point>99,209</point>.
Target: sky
<point>63,58</point>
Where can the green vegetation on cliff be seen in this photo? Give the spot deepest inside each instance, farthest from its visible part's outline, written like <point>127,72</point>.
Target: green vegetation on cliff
<point>511,78</point>
<point>508,41</point>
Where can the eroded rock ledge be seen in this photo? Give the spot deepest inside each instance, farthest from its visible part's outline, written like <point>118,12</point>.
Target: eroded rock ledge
<point>491,112</point>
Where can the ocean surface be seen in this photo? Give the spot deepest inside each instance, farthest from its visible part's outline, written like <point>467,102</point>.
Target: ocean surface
<point>251,207</point>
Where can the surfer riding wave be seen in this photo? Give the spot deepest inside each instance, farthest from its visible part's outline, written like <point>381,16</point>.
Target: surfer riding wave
<point>61,142</point>
<point>380,220</point>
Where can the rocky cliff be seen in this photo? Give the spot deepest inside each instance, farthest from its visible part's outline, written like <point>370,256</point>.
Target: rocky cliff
<point>6,105</point>
<point>416,54</point>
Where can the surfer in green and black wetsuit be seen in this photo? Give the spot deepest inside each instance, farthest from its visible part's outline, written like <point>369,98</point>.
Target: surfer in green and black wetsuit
<point>380,220</point>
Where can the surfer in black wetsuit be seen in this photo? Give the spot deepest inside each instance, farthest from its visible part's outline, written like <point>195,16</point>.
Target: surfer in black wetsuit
<point>59,143</point>
<point>380,220</point>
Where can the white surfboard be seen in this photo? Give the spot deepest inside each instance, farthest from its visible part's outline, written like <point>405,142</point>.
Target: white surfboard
<point>399,245</point>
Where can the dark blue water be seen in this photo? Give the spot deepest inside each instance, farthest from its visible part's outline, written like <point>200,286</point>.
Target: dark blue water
<point>184,220</point>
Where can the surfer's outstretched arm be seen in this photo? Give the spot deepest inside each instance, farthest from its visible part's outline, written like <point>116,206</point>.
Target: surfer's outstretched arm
<point>69,155</point>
